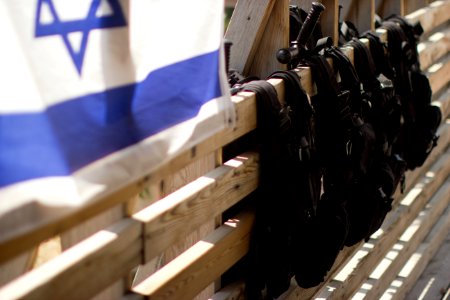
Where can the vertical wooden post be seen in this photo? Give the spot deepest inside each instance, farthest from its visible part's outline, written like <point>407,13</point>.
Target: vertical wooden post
<point>245,31</point>
<point>413,5</point>
<point>303,4</point>
<point>329,19</point>
<point>361,13</point>
<point>276,36</point>
<point>385,8</point>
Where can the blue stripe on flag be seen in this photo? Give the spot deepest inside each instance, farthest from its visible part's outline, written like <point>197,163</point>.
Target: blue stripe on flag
<point>76,132</point>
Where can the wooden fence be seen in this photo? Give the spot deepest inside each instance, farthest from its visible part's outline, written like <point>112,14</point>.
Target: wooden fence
<point>172,234</point>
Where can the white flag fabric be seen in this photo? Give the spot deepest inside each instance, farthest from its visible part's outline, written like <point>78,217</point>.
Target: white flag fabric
<point>97,93</point>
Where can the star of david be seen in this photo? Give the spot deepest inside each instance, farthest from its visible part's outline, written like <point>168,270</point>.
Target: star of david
<point>54,26</point>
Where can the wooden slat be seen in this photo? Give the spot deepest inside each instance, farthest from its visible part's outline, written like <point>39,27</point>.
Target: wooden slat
<point>443,102</point>
<point>275,37</point>
<point>409,241</point>
<point>434,48</point>
<point>439,74</point>
<point>234,291</point>
<point>385,8</point>
<point>17,266</point>
<point>329,20</point>
<point>361,13</point>
<point>410,6</point>
<point>408,276</point>
<point>432,16</point>
<point>189,273</point>
<point>245,31</point>
<point>83,270</point>
<point>173,217</point>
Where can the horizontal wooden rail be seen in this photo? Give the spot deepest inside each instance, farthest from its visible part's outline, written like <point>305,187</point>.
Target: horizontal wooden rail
<point>409,240</point>
<point>411,271</point>
<point>85,269</point>
<point>431,16</point>
<point>189,273</point>
<point>434,48</point>
<point>178,214</point>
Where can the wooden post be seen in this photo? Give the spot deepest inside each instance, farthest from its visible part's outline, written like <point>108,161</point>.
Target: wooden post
<point>257,29</point>
<point>385,8</point>
<point>276,36</point>
<point>360,13</point>
<point>413,5</point>
<point>329,19</point>
<point>303,4</point>
<point>245,30</point>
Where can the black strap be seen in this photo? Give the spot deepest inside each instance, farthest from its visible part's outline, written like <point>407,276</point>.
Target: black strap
<point>364,64</point>
<point>378,53</point>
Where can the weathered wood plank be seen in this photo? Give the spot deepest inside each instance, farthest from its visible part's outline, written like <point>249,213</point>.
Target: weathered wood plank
<point>245,31</point>
<point>430,17</point>
<point>275,37</point>
<point>439,74</point>
<point>408,242</point>
<point>384,8</point>
<point>418,261</point>
<point>83,270</point>
<point>434,48</point>
<point>329,20</point>
<point>182,211</point>
<point>434,271</point>
<point>361,14</point>
<point>426,252</point>
<point>17,266</point>
<point>410,6</point>
<point>189,273</point>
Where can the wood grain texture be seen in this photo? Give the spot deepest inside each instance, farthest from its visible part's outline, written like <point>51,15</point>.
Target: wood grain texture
<point>384,8</point>
<point>420,260</point>
<point>432,16</point>
<point>361,14</point>
<point>410,6</point>
<point>329,20</point>
<point>275,37</point>
<point>406,245</point>
<point>245,30</point>
<point>439,74</point>
<point>434,48</point>
<point>189,273</point>
<point>182,211</point>
<point>92,264</point>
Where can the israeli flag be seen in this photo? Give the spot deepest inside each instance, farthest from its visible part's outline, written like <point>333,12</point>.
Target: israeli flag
<point>95,94</point>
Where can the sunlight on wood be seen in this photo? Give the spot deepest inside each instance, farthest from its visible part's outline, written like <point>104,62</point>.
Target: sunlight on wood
<point>434,68</point>
<point>412,195</point>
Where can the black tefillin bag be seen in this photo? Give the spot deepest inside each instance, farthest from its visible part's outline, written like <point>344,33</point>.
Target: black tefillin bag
<point>289,184</point>
<point>421,119</point>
